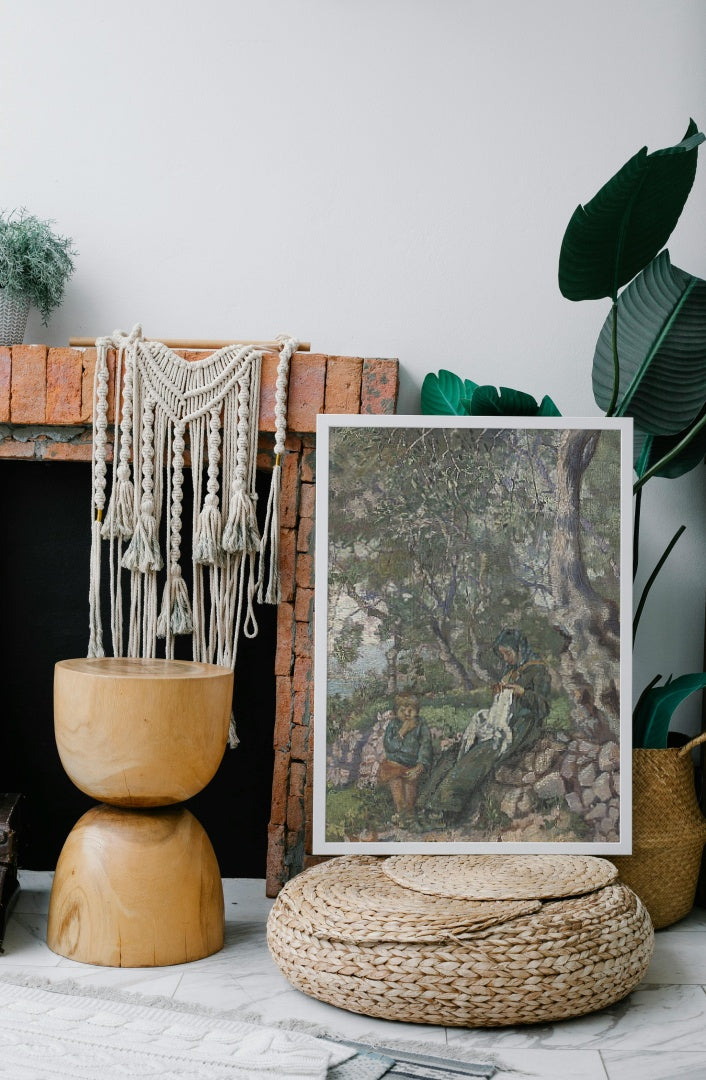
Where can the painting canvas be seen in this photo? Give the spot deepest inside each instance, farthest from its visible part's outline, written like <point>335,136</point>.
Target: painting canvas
<point>472,662</point>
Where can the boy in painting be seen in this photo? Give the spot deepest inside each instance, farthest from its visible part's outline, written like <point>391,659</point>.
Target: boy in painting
<point>408,754</point>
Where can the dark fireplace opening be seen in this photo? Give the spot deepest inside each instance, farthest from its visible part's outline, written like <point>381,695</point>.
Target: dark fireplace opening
<point>44,561</point>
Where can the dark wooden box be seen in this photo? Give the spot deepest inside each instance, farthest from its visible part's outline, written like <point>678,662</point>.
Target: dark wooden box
<point>10,834</point>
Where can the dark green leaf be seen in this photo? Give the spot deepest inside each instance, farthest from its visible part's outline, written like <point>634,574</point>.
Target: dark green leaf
<point>654,711</point>
<point>661,350</point>
<point>610,239</point>
<point>443,394</point>
<point>547,407</point>
<point>650,449</point>
<point>488,401</point>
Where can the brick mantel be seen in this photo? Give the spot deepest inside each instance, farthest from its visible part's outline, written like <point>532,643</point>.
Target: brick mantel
<point>46,397</point>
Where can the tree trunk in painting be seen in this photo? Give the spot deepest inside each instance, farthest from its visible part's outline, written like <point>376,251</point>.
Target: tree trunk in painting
<point>588,623</point>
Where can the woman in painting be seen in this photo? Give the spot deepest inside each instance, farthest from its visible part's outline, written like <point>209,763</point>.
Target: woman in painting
<point>512,723</point>
<point>408,755</point>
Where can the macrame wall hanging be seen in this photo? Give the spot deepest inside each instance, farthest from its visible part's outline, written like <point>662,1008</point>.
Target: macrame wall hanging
<point>214,403</point>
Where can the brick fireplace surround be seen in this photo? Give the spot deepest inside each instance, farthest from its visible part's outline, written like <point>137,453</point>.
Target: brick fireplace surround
<point>45,415</point>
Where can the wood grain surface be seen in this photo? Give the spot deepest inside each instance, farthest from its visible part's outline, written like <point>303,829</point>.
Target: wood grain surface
<point>141,732</point>
<point>136,888</point>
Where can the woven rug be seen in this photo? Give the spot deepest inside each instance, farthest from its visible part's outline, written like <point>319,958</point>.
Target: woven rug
<point>60,1031</point>
<point>65,1031</point>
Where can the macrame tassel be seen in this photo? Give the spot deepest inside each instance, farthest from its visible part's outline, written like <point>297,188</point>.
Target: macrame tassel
<point>233,739</point>
<point>120,517</point>
<point>175,614</point>
<point>95,639</point>
<point>241,532</point>
<point>208,548</point>
<point>273,593</point>
<point>143,552</point>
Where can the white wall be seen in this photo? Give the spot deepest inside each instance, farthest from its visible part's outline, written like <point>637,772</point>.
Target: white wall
<point>382,177</point>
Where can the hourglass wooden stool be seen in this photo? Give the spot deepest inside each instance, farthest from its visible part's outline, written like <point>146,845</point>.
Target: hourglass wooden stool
<point>137,883</point>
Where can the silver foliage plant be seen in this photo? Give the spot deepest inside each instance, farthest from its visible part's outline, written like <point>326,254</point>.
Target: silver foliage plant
<point>35,262</point>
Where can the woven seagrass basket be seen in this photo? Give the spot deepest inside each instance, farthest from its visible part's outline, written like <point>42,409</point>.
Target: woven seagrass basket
<point>668,833</point>
<point>13,318</point>
<point>349,934</point>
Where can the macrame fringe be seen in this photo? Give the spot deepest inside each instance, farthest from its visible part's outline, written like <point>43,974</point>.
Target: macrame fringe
<point>175,615</point>
<point>161,401</point>
<point>142,553</point>
<point>273,593</point>
<point>233,740</point>
<point>120,518</point>
<point>241,532</point>
<point>208,545</point>
<point>95,640</point>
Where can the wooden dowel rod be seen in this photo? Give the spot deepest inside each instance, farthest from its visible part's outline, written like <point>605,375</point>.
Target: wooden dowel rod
<point>173,343</point>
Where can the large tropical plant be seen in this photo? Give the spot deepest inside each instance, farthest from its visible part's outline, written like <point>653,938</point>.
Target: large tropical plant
<point>650,359</point>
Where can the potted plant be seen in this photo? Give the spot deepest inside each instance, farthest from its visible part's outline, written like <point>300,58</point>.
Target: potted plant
<point>35,264</point>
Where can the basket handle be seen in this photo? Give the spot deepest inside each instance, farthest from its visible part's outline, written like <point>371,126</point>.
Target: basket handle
<point>690,745</point>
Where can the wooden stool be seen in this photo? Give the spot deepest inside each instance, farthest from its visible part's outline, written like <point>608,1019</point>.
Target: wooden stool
<point>137,886</point>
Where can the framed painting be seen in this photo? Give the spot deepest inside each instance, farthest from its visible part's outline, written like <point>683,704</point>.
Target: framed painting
<point>472,635</point>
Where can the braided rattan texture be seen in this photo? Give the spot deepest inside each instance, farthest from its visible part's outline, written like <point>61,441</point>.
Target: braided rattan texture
<point>669,831</point>
<point>501,877</point>
<point>13,318</point>
<point>360,903</point>
<point>569,958</point>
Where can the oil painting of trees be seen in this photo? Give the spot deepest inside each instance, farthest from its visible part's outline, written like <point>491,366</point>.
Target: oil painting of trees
<point>472,634</point>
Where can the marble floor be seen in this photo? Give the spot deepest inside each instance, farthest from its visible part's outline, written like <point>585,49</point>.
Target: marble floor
<point>658,1033</point>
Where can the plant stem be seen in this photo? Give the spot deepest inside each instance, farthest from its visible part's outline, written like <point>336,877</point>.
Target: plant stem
<point>652,577</point>
<point>616,365</point>
<point>670,456</point>
<point>636,533</point>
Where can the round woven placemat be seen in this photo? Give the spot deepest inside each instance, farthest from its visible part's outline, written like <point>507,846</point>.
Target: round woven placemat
<point>360,903</point>
<point>501,877</point>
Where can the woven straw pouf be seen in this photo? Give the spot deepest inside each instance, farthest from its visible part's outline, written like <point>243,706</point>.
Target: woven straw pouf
<point>373,936</point>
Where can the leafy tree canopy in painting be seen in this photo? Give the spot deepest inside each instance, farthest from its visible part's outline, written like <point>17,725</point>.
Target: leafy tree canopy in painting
<point>439,537</point>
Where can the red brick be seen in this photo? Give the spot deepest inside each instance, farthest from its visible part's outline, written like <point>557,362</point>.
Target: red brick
<point>89,368</point>
<point>302,674</point>
<point>53,451</point>
<point>64,378</point>
<point>308,464</point>
<point>275,860</point>
<point>306,391</point>
<point>283,712</point>
<point>5,375</point>
<point>305,571</point>
<point>267,391</point>
<point>289,501</point>
<point>284,654</point>
<point>305,535</point>
<point>287,562</point>
<point>28,400</point>
<point>302,640</point>
<point>300,739</point>
<point>292,444</point>
<point>307,500</point>
<point>280,788</point>
<point>343,382</point>
<point>304,605</point>
<point>295,817</point>
<point>308,811</point>
<point>11,448</point>
<point>380,385</point>
<point>297,779</point>
<point>301,711</point>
